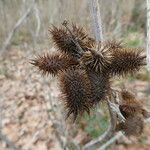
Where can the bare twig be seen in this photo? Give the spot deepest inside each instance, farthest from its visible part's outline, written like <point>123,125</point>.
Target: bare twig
<point>116,137</point>
<point>97,23</point>
<point>117,14</point>
<point>36,136</point>
<point>107,136</point>
<point>59,129</point>
<point>94,7</point>
<point>115,109</point>
<point>38,20</point>
<point>19,22</point>
<point>147,120</point>
<point>112,140</point>
<point>110,131</point>
<point>148,34</point>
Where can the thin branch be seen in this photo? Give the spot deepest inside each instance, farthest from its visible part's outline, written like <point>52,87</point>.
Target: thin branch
<point>115,109</point>
<point>106,137</point>
<point>112,140</point>
<point>96,19</point>
<point>19,22</point>
<point>117,136</point>
<point>95,12</point>
<point>36,136</point>
<point>110,131</point>
<point>58,126</point>
<point>147,120</point>
<point>148,34</point>
<point>38,20</point>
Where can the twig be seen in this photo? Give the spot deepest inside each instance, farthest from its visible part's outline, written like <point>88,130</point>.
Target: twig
<point>56,124</point>
<point>8,142</point>
<point>116,137</point>
<point>147,120</point>
<point>38,20</point>
<point>19,22</point>
<point>95,12</point>
<point>148,34</point>
<point>112,140</point>
<point>36,136</point>
<point>117,14</point>
<point>115,109</point>
<point>110,131</point>
<point>97,23</point>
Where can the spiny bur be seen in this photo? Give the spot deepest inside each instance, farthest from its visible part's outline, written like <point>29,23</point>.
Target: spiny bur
<point>65,41</point>
<point>129,104</point>
<point>97,58</point>
<point>85,67</point>
<point>133,125</point>
<point>90,42</point>
<point>132,110</point>
<point>100,86</point>
<point>52,63</point>
<point>112,44</point>
<point>79,32</point>
<point>75,89</point>
<point>126,61</point>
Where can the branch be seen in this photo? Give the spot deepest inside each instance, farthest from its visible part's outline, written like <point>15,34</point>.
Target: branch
<point>112,140</point>
<point>38,20</point>
<point>107,136</point>
<point>53,118</point>
<point>147,120</point>
<point>95,12</point>
<point>110,131</point>
<point>117,136</point>
<point>148,34</point>
<point>19,22</point>
<point>96,19</point>
<point>115,107</point>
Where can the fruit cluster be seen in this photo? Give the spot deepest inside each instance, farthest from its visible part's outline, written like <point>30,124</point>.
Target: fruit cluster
<point>85,67</point>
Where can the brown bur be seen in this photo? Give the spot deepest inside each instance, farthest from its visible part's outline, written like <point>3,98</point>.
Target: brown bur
<point>85,68</point>
<point>53,63</point>
<point>75,88</point>
<point>65,39</point>
<point>133,112</point>
<point>126,61</point>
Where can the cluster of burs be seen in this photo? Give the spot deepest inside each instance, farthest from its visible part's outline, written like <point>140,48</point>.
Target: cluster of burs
<point>85,68</point>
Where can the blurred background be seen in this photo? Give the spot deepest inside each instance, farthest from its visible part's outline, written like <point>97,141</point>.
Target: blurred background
<point>32,116</point>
